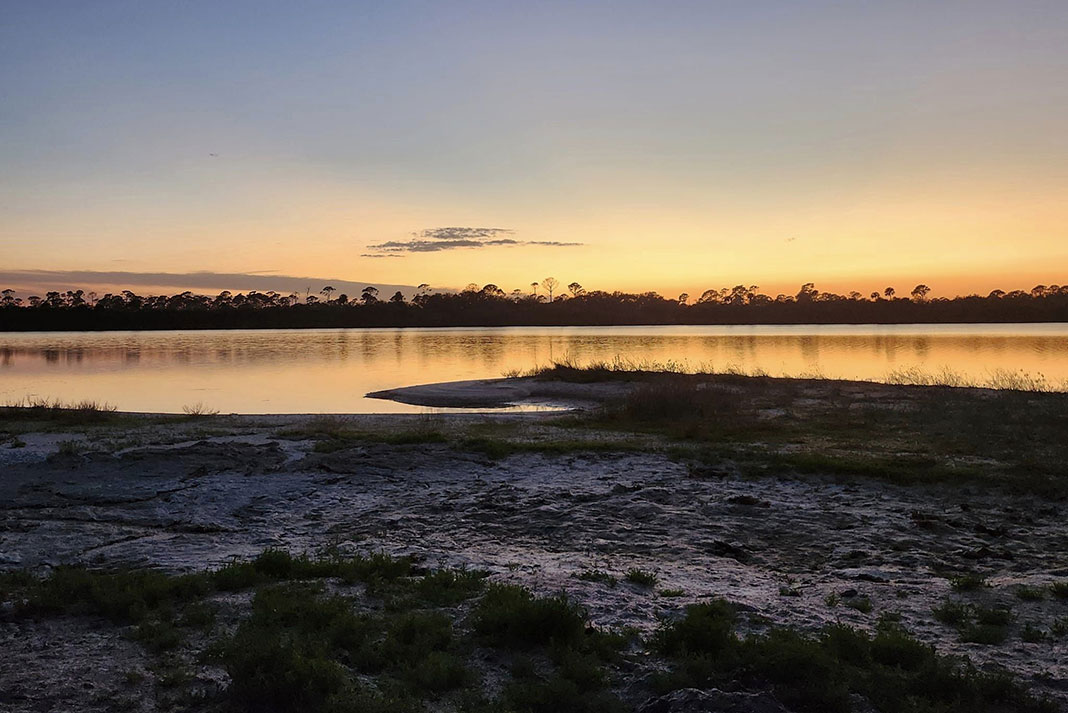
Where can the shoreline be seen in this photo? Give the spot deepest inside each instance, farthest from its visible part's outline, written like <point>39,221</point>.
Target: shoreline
<point>614,325</point>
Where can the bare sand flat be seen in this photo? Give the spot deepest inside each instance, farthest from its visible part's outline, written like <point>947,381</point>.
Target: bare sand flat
<point>505,392</point>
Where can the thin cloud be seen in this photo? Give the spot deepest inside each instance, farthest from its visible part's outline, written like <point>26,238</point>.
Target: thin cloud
<point>461,233</point>
<point>455,238</point>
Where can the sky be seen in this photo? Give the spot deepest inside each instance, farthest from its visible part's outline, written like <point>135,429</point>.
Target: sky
<point>669,146</point>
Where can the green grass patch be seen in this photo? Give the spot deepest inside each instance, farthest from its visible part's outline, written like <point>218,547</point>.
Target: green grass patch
<point>641,577</point>
<point>597,575</point>
<point>1030,594</point>
<point>1059,589</point>
<point>969,582</point>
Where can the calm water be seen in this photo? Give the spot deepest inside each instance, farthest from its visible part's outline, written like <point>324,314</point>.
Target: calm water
<point>329,371</point>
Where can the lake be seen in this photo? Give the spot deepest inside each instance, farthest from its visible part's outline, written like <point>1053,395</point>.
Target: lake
<point>330,370</point>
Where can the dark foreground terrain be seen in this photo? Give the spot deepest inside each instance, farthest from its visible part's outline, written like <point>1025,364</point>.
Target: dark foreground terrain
<point>694,543</point>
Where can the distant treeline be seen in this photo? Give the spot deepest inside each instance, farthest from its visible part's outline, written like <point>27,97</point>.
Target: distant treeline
<point>491,306</point>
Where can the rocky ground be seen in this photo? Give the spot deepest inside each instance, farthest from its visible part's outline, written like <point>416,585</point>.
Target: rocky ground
<point>795,550</point>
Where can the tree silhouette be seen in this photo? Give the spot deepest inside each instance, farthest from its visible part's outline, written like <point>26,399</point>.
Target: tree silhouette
<point>326,292</point>
<point>889,292</point>
<point>807,293</point>
<point>490,305</point>
<point>549,283</point>
<point>534,289</point>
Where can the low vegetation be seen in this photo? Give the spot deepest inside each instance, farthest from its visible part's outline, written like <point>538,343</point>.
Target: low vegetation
<point>988,626</point>
<point>898,433</point>
<point>375,633</point>
<point>80,413</point>
<point>641,577</point>
<point>821,671</point>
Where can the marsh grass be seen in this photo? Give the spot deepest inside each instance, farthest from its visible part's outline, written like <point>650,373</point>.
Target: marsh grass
<point>899,433</point>
<point>997,379</point>
<point>80,413</point>
<point>621,368</point>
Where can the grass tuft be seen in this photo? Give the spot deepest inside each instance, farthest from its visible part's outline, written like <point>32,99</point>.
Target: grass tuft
<point>641,577</point>
<point>969,582</point>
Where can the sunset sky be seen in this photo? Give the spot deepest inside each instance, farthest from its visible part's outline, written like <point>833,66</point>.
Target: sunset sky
<point>669,146</point>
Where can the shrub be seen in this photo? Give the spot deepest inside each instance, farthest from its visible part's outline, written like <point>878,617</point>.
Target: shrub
<point>891,669</point>
<point>707,629</point>
<point>861,604</point>
<point>510,616</point>
<point>968,582</point>
<point>1033,634</point>
<point>1030,594</point>
<point>953,613</point>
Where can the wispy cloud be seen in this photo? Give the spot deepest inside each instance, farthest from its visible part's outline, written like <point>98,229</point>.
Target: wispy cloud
<point>453,238</point>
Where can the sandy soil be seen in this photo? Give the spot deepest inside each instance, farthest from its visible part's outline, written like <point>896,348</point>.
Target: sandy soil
<point>501,393</point>
<point>779,547</point>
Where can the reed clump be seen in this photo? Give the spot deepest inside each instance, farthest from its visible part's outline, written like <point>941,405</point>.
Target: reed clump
<point>33,408</point>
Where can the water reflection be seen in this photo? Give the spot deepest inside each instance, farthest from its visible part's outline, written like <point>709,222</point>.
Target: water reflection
<point>329,370</point>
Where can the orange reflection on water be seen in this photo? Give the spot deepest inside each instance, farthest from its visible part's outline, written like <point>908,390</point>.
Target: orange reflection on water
<point>329,371</point>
